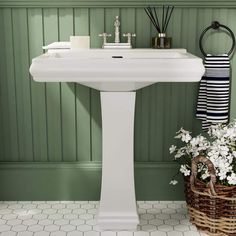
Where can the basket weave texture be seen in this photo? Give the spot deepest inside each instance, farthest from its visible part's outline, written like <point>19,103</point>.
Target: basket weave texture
<point>211,207</point>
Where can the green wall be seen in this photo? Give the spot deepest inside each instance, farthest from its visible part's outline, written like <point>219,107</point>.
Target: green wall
<point>50,134</point>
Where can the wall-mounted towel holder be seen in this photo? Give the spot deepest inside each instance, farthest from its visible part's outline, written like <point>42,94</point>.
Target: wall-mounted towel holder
<point>216,25</point>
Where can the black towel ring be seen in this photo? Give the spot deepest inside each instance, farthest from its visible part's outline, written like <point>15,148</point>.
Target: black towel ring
<point>216,25</point>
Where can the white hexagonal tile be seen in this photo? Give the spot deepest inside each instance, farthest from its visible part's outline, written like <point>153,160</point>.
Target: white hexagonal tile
<point>142,211</point>
<point>61,222</point>
<point>25,233</point>
<point>143,222</point>
<point>125,233</point>
<point>86,216</point>
<point>4,228</point>
<point>30,222</point>
<point>92,211</point>
<point>8,233</point>
<point>3,205</point>
<point>84,228</point>
<point>174,233</point>
<point>75,233</point>
<point>35,228</point>
<point>165,228</point>
<point>25,217</point>
<point>172,222</point>
<point>145,206</point>
<point>58,233</point>
<point>178,216</point>
<point>34,211</point>
<point>162,216</point>
<point>185,222</point>
<point>73,206</point>
<point>160,206</point>
<point>49,211</point>
<point>55,216</point>
<point>9,216</point>
<point>79,211</point>
<point>181,228</point>
<point>92,233</point>
<point>174,206</point>
<point>51,228</point>
<point>158,233</point>
<point>147,216</point>
<point>191,233</point>
<point>2,222</point>
<point>68,228</point>
<point>71,216</point>
<point>14,222</point>
<point>44,206</point>
<point>142,233</point>
<point>168,211</point>
<point>148,227</point>
<point>15,206</point>
<point>76,222</point>
<point>108,233</point>
<point>58,206</point>
<point>29,206</point>
<point>41,233</point>
<point>193,228</point>
<point>87,206</point>
<point>64,211</point>
<point>153,211</point>
<point>19,228</point>
<point>91,222</point>
<point>40,216</point>
<point>5,211</point>
<point>156,222</point>
<point>45,222</point>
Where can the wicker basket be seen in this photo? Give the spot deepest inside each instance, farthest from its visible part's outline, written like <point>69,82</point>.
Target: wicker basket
<point>211,207</point>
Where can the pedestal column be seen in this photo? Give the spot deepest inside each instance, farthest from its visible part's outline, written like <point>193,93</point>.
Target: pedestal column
<point>118,204</point>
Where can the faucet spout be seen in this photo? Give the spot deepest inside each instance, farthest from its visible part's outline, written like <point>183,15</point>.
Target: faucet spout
<point>117,30</point>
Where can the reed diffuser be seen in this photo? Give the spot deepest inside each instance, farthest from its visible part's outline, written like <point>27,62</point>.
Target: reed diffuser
<point>161,41</point>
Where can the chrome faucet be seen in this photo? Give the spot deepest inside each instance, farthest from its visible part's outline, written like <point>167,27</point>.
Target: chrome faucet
<point>117,43</point>
<point>117,30</point>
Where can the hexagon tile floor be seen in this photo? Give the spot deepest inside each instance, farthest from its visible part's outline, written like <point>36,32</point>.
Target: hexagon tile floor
<point>79,219</point>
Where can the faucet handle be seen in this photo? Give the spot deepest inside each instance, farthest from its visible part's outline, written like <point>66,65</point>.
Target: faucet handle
<point>104,35</point>
<point>129,36</point>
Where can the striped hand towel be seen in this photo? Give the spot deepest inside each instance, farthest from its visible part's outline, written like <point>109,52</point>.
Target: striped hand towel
<point>214,91</point>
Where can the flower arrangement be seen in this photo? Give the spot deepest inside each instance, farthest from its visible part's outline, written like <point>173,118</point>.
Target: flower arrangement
<point>219,145</point>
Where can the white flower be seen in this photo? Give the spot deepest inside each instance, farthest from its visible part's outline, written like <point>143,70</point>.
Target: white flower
<point>184,170</point>
<point>184,135</point>
<point>232,179</point>
<point>172,149</point>
<point>173,182</point>
<point>205,175</point>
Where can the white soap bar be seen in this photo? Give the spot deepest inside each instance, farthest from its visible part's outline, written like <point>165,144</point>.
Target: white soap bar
<point>80,42</point>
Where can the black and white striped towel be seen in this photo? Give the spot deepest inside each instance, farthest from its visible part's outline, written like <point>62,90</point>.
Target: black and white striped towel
<point>214,91</point>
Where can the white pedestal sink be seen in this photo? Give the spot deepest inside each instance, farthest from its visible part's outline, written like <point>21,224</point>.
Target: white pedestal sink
<point>117,74</point>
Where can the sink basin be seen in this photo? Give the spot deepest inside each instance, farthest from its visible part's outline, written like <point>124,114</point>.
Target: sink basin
<point>117,70</point>
<point>117,74</point>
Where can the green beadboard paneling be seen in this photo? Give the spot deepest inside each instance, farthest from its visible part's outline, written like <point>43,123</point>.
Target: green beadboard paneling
<point>81,181</point>
<point>115,3</point>
<point>57,123</point>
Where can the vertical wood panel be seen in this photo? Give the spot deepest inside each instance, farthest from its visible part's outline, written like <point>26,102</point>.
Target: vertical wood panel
<point>11,85</point>
<point>4,136</point>
<point>66,118</point>
<point>53,100</point>
<point>38,90</point>
<point>23,90</point>
<point>83,120</point>
<point>67,93</point>
<point>96,27</point>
